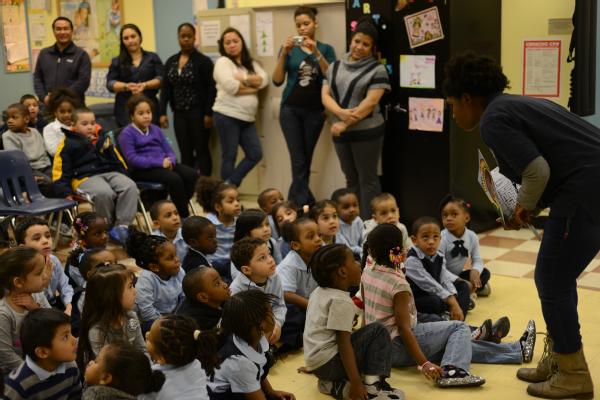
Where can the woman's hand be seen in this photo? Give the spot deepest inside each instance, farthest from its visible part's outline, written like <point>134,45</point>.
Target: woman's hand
<point>338,128</point>
<point>520,218</point>
<point>208,122</point>
<point>239,76</point>
<point>288,45</point>
<point>310,44</point>
<point>253,80</point>
<point>357,391</point>
<point>138,88</point>
<point>167,164</point>
<point>163,121</point>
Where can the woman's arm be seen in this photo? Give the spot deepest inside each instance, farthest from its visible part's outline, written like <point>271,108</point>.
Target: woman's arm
<point>366,106</point>
<point>224,75</point>
<point>279,72</point>
<point>330,104</point>
<point>260,78</point>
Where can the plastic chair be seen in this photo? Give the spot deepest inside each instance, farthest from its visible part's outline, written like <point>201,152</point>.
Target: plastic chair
<point>20,193</point>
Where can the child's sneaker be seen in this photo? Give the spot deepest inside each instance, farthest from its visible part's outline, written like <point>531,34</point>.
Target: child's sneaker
<point>457,377</point>
<point>528,342</point>
<point>381,390</point>
<point>485,291</point>
<point>472,301</point>
<point>484,332</point>
<point>336,389</point>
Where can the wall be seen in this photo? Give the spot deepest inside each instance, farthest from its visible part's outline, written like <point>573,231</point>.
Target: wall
<point>527,20</point>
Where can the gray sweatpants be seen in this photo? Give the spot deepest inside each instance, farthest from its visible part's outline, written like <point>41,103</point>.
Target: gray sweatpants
<point>359,162</point>
<point>113,193</point>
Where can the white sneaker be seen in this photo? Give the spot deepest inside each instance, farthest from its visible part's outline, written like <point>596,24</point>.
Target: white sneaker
<point>381,390</point>
<point>336,389</point>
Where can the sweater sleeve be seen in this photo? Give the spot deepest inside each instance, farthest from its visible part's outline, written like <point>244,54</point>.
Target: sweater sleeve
<point>11,142</point>
<point>166,147</point>
<point>262,73</point>
<point>84,75</point>
<point>144,299</point>
<point>534,180</point>
<point>53,135</point>
<point>166,90</point>
<point>207,70</point>
<point>112,76</point>
<point>9,359</point>
<point>97,339</point>
<point>135,160</point>
<point>223,75</point>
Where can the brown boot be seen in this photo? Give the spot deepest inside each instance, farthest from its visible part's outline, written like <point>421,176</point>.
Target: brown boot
<point>572,380</point>
<point>545,368</point>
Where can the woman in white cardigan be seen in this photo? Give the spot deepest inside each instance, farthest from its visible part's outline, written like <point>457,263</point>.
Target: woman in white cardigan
<point>238,79</point>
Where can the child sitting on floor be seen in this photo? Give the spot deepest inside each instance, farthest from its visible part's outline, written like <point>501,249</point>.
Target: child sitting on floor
<point>385,210</point>
<point>266,200</point>
<point>167,222</point>
<point>286,211</point>
<point>201,236</point>
<point>352,227</point>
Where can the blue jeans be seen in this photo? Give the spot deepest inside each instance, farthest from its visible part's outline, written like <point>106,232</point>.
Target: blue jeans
<point>301,129</point>
<point>449,343</point>
<point>568,246</point>
<point>234,132</point>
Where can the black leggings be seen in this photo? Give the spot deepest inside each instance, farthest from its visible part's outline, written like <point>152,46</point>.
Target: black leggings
<point>192,137</point>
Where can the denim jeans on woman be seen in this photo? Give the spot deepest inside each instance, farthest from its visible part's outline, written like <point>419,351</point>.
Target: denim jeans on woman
<point>234,132</point>
<point>301,129</point>
<point>449,343</point>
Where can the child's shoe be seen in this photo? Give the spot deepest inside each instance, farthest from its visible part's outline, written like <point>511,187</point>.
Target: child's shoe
<point>336,389</point>
<point>119,234</point>
<point>485,291</point>
<point>457,377</point>
<point>528,342</point>
<point>382,390</point>
<point>484,332</point>
<point>473,301</point>
<point>500,329</point>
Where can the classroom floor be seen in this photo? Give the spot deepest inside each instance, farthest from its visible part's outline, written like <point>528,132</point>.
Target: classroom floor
<point>510,256</point>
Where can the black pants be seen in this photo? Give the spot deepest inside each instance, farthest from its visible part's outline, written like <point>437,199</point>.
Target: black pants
<point>180,181</point>
<point>192,138</point>
<point>484,277</point>
<point>293,328</point>
<point>428,303</point>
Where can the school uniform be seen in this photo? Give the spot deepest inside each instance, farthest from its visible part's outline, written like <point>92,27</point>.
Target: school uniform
<point>180,245</point>
<point>352,235</point>
<point>156,296</point>
<point>187,382</point>
<point>457,251</point>
<point>59,282</point>
<point>432,283</point>
<point>221,258</point>
<point>273,250</point>
<point>370,224</point>
<point>296,278</point>
<point>272,286</point>
<point>194,259</point>
<point>205,316</point>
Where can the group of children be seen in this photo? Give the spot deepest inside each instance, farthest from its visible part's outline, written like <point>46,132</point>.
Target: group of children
<point>214,300</point>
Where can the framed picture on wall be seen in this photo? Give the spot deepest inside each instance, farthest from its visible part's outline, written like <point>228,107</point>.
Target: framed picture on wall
<point>96,25</point>
<point>14,36</point>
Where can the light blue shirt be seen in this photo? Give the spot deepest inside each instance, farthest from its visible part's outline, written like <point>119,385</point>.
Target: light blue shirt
<point>274,233</point>
<point>471,243</point>
<point>59,282</point>
<point>187,382</point>
<point>352,235</point>
<point>295,276</point>
<point>238,372</point>
<point>275,253</point>
<point>273,286</point>
<point>419,275</point>
<point>180,244</point>
<point>224,238</point>
<point>155,296</point>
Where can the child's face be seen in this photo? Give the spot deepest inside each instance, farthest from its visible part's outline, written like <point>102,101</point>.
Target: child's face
<point>214,289</point>
<point>95,372</point>
<point>206,242</point>
<point>386,212</point>
<point>128,299</point>
<point>309,239</point>
<point>103,257</point>
<point>35,280</point>
<point>230,205</point>
<point>142,115</point>
<point>262,265</point>
<point>272,197</point>
<point>328,222</point>
<point>348,207</point>
<point>285,215</point>
<point>64,345</point>
<point>427,239</point>
<point>64,112</point>
<point>455,218</point>
<point>353,271</point>
<point>263,231</point>
<point>97,234</point>
<point>151,337</point>
<point>168,262</point>
<point>85,125</point>
<point>16,121</point>
<point>34,108</point>
<point>40,238</point>
<point>168,218</point>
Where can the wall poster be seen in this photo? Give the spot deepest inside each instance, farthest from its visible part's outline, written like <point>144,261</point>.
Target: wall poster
<point>541,68</point>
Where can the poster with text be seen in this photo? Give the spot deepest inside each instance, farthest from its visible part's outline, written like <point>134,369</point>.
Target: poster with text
<point>423,27</point>
<point>541,68</point>
<point>425,114</point>
<point>417,72</point>
<point>210,31</point>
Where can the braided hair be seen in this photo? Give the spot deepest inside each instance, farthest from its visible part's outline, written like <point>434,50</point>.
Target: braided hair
<point>456,200</point>
<point>246,311</point>
<point>210,191</point>
<point>144,248</point>
<point>383,239</point>
<point>180,342</point>
<point>84,222</point>
<point>326,261</point>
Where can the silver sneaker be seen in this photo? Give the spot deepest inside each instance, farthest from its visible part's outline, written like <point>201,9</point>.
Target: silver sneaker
<point>528,345</point>
<point>336,389</point>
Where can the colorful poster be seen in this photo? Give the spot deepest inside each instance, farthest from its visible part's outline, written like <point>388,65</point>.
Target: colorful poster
<point>264,33</point>
<point>423,27</point>
<point>541,68</point>
<point>417,72</point>
<point>425,114</point>
<point>14,36</point>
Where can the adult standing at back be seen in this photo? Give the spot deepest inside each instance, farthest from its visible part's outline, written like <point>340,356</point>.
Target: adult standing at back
<point>351,93</point>
<point>63,64</point>
<point>189,87</point>
<point>238,78</point>
<point>305,61</point>
<point>134,71</point>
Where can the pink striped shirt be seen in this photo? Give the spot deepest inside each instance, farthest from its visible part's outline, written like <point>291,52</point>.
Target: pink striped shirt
<point>380,284</point>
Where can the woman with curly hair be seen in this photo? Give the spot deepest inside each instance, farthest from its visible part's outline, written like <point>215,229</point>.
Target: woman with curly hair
<point>554,155</point>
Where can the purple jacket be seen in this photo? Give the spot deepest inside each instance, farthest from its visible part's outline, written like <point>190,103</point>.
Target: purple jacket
<point>145,151</point>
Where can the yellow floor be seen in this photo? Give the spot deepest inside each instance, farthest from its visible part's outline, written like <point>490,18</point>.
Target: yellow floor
<point>513,297</point>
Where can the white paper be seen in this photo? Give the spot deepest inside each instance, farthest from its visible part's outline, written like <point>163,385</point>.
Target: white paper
<point>37,27</point>
<point>541,64</point>
<point>500,190</point>
<point>417,72</point>
<point>199,5</point>
<point>264,33</point>
<point>37,4</point>
<point>16,52</point>
<point>242,24</point>
<point>210,32</point>
<point>425,114</point>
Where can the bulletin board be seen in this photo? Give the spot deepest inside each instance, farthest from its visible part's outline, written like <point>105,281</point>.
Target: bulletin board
<point>14,36</point>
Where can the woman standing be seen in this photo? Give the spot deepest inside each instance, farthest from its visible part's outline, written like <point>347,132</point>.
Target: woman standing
<point>134,71</point>
<point>304,60</point>
<point>189,87</point>
<point>351,94</point>
<point>555,156</point>
<point>238,79</point>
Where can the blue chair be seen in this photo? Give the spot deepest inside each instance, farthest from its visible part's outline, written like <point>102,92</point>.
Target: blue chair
<point>20,192</point>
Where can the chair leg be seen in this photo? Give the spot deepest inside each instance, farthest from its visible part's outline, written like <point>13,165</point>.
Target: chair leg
<point>192,208</point>
<point>145,215</point>
<point>57,234</point>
